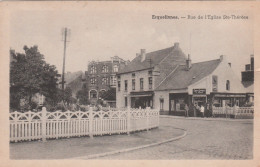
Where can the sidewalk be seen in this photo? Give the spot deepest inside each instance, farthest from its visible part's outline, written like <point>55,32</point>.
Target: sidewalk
<point>205,118</point>
<point>85,147</point>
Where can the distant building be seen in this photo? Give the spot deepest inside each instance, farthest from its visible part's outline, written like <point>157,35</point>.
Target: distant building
<point>166,79</point>
<point>248,79</point>
<point>101,76</point>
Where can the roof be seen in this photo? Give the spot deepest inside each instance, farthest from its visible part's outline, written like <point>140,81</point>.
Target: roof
<point>152,59</point>
<point>180,78</point>
<point>249,86</point>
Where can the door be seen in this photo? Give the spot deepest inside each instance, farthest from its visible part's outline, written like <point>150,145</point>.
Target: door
<point>172,106</point>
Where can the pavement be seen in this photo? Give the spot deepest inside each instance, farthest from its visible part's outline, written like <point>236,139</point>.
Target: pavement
<point>176,138</point>
<point>206,139</point>
<point>86,148</point>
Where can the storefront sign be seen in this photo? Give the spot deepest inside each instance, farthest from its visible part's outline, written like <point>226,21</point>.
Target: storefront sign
<point>199,91</point>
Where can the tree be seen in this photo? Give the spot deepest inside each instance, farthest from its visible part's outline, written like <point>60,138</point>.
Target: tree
<point>82,96</point>
<point>30,74</point>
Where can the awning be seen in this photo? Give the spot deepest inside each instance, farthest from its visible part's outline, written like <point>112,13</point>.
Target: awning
<point>141,94</point>
<point>230,95</point>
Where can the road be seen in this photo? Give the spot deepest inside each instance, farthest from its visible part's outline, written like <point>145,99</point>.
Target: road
<point>206,139</point>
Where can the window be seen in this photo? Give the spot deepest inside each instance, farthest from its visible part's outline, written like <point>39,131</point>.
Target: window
<point>150,72</point>
<point>113,80</point>
<point>133,84</point>
<point>227,85</point>
<point>105,81</point>
<point>150,82</point>
<point>93,69</point>
<point>104,69</point>
<point>125,85</point>
<point>115,68</point>
<point>133,75</point>
<point>125,101</point>
<point>161,103</point>
<point>141,83</point>
<point>118,85</point>
<point>93,81</point>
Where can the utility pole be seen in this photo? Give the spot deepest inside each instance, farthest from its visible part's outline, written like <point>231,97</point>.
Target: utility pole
<point>65,32</point>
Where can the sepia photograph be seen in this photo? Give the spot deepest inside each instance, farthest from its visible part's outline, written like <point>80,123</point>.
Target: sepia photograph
<point>130,81</point>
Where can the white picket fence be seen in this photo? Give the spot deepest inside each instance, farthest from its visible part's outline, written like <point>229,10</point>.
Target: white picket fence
<point>46,125</point>
<point>237,112</point>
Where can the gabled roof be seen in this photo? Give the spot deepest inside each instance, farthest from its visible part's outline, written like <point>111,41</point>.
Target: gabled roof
<point>181,78</point>
<point>152,59</point>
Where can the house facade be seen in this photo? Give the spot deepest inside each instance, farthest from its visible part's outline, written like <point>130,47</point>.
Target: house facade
<point>101,76</point>
<point>136,83</point>
<point>167,80</point>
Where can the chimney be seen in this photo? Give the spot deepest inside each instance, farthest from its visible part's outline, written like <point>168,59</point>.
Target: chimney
<point>176,45</point>
<point>222,58</point>
<point>229,64</point>
<point>252,62</point>
<point>143,55</point>
<point>188,63</point>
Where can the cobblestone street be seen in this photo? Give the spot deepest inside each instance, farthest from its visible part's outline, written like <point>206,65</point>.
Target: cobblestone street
<point>206,139</point>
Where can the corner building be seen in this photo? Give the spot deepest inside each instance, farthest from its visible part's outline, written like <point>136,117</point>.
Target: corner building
<point>167,80</point>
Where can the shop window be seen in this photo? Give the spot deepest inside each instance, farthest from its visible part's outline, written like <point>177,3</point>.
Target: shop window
<point>180,104</point>
<point>150,82</point>
<point>118,85</point>
<point>227,85</point>
<point>133,84</point>
<point>217,102</point>
<point>141,83</point>
<point>161,103</point>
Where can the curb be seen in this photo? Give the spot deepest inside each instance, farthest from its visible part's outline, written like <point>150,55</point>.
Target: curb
<point>207,119</point>
<point>133,148</point>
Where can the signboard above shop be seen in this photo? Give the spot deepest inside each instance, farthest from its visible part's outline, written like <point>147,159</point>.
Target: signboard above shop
<point>199,91</point>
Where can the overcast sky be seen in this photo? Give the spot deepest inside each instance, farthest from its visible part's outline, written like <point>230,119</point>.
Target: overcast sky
<point>100,34</point>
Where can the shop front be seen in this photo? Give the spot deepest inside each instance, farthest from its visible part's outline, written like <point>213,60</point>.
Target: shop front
<point>177,102</point>
<point>228,99</point>
<point>142,99</point>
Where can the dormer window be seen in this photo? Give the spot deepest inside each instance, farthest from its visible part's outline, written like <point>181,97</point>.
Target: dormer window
<point>115,68</point>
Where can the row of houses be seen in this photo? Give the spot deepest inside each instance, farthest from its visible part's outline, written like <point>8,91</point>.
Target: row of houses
<point>168,80</point>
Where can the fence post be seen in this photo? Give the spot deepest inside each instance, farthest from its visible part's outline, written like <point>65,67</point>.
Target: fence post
<point>147,118</point>
<point>44,124</point>
<point>15,126</point>
<point>128,120</point>
<point>91,122</point>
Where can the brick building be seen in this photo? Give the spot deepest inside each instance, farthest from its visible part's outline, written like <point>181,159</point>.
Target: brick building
<point>101,76</point>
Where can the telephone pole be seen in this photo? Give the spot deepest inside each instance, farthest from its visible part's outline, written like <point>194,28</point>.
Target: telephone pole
<point>65,33</point>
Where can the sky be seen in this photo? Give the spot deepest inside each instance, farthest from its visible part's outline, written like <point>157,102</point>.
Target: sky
<point>100,33</point>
